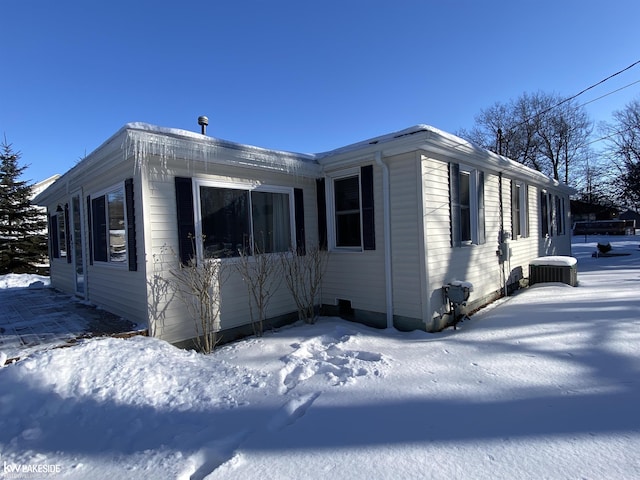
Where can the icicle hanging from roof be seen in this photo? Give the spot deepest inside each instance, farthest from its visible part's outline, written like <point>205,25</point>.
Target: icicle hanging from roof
<point>144,142</point>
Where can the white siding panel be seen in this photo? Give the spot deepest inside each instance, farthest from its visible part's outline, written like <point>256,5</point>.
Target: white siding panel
<point>406,236</point>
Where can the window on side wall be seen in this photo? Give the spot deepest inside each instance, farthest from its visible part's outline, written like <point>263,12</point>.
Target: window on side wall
<point>347,211</point>
<point>109,226</point>
<point>559,215</point>
<point>519,210</point>
<point>545,214</point>
<point>58,232</point>
<point>467,205</point>
<point>351,209</point>
<point>237,218</point>
<point>62,234</point>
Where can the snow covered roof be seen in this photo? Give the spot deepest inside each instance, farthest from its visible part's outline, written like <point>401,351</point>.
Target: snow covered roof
<point>431,139</point>
<point>144,141</point>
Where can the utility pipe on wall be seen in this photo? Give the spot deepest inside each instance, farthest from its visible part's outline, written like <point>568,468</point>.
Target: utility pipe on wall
<point>386,207</point>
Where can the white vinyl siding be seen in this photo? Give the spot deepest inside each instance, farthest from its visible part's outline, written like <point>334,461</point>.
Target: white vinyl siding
<point>406,235</point>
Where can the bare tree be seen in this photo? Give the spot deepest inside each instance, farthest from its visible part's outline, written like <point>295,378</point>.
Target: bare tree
<point>261,273</point>
<point>594,180</point>
<point>539,130</point>
<point>303,273</point>
<point>563,132</point>
<point>623,138</point>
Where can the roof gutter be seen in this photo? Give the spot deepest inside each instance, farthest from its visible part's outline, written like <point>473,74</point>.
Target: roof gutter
<point>386,201</point>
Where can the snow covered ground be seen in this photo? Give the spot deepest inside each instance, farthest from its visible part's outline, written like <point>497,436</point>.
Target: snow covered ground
<point>544,385</point>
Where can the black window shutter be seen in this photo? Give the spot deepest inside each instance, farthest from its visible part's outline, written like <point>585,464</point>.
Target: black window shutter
<point>90,230</point>
<point>454,200</point>
<point>53,228</point>
<point>186,220</point>
<point>131,225</point>
<point>99,218</point>
<point>322,213</point>
<point>67,231</point>
<point>368,217</point>
<point>299,218</point>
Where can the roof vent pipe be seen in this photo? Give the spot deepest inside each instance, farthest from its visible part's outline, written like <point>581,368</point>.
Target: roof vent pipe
<point>203,122</point>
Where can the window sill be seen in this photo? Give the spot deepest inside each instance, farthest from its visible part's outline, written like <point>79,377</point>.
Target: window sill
<point>346,249</point>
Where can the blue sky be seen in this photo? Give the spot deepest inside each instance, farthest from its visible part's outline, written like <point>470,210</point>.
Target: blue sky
<point>295,75</point>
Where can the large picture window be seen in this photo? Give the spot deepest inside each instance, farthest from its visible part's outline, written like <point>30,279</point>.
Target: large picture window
<point>235,220</point>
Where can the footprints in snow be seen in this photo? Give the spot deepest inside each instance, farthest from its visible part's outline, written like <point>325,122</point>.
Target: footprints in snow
<point>292,411</point>
<point>327,356</point>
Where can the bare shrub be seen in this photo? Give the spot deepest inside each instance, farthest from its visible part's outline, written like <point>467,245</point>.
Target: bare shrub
<point>261,274</point>
<point>303,272</point>
<point>199,286</point>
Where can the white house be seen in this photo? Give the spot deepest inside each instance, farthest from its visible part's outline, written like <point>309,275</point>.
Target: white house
<point>402,215</point>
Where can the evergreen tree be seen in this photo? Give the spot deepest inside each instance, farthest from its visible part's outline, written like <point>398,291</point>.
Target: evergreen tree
<point>23,239</point>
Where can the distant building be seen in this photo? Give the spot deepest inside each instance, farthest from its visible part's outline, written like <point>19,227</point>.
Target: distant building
<point>589,212</point>
<point>42,185</point>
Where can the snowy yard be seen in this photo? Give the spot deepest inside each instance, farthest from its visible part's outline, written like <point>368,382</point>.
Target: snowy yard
<point>543,385</point>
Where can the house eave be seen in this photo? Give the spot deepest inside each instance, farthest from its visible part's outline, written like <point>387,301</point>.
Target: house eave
<point>147,143</point>
<point>430,140</point>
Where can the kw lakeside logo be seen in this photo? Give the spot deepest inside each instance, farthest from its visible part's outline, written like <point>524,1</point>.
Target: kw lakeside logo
<point>25,470</point>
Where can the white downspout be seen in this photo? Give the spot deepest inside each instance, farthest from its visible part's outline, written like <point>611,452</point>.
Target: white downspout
<point>386,202</point>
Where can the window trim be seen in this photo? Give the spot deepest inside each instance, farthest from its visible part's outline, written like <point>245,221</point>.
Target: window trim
<point>477,204</point>
<point>559,214</point>
<point>331,209</point>
<point>520,188</point>
<point>124,264</point>
<point>249,187</point>
<point>61,223</point>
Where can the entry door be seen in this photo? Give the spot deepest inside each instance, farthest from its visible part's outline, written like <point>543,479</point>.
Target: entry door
<point>76,244</point>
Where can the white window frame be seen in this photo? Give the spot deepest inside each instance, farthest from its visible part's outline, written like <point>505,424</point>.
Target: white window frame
<point>247,186</point>
<point>559,212</point>
<point>474,212</point>
<point>546,220</point>
<point>523,200</point>
<point>124,264</point>
<point>61,221</point>
<point>331,209</point>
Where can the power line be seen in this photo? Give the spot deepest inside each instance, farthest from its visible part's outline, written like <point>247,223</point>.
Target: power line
<point>600,82</point>
<point>610,93</point>
<point>547,110</point>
